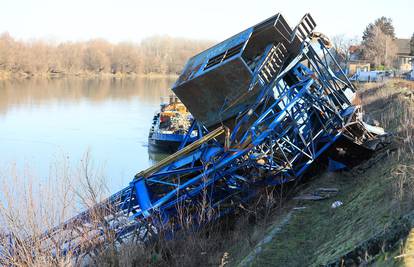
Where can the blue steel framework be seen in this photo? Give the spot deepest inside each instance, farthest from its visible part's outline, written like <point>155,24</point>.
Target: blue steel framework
<point>299,113</point>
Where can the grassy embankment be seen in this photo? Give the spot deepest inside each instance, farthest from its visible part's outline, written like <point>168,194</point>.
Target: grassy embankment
<point>377,213</point>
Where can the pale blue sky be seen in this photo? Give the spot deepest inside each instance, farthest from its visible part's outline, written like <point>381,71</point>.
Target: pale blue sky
<point>128,20</point>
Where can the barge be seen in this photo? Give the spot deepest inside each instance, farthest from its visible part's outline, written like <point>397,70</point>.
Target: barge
<point>170,126</point>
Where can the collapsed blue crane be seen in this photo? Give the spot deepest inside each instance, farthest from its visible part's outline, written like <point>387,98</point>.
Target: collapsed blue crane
<point>271,101</point>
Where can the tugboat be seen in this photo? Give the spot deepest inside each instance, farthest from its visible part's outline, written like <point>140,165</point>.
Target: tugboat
<point>169,126</point>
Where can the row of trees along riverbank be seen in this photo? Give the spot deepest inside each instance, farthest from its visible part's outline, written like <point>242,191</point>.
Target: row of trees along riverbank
<point>155,55</point>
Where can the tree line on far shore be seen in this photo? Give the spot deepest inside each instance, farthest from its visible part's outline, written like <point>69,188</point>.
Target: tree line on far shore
<point>154,55</point>
<point>164,55</point>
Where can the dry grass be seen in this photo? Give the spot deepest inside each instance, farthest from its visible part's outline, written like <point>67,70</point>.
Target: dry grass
<point>392,105</point>
<point>215,244</point>
<point>29,206</point>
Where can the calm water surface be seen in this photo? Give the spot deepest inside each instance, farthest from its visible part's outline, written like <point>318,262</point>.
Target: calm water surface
<point>45,121</point>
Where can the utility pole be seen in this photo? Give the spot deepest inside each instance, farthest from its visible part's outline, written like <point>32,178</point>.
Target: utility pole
<point>386,50</point>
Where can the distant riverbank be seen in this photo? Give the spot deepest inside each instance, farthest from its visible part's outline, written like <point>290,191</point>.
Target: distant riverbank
<point>159,56</point>
<point>5,75</point>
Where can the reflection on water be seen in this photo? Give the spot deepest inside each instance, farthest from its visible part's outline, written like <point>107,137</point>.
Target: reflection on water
<point>41,120</point>
<point>156,157</point>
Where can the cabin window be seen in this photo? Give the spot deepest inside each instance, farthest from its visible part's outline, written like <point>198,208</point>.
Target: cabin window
<point>224,56</point>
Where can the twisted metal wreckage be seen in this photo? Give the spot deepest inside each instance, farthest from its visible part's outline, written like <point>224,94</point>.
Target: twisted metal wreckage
<point>268,102</point>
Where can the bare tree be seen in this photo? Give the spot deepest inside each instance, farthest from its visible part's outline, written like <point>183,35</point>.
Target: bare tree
<point>6,53</point>
<point>160,55</point>
<point>341,45</point>
<point>380,48</point>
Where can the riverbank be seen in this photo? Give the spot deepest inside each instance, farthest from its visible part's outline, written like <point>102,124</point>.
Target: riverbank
<point>373,226</point>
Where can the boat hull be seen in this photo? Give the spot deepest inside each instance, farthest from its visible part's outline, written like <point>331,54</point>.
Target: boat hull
<point>165,142</point>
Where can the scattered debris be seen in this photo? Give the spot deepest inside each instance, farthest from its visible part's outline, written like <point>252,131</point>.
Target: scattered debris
<point>336,204</point>
<point>299,208</point>
<point>319,194</point>
<point>308,197</point>
<point>334,166</point>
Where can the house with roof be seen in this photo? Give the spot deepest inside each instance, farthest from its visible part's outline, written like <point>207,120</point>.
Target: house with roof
<point>404,55</point>
<point>355,63</point>
<point>404,64</point>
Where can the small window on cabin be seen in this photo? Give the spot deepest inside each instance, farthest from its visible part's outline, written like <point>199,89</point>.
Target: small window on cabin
<point>229,53</point>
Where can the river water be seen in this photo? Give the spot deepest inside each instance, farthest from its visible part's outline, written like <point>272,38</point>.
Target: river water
<point>44,122</point>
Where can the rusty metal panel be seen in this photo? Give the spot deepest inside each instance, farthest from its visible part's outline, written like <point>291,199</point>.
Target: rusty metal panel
<point>209,96</point>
